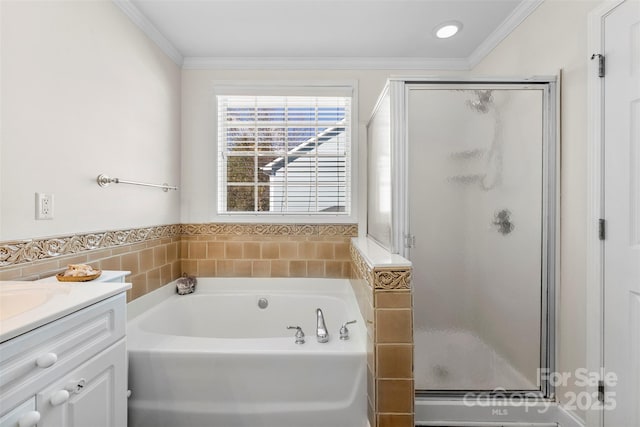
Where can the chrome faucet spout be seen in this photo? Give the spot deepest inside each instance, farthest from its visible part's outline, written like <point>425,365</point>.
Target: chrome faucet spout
<point>321,331</point>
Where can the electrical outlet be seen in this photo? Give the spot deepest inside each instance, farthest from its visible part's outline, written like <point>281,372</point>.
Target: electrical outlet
<point>44,206</point>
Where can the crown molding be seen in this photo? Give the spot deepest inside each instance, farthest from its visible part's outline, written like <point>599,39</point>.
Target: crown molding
<point>134,14</point>
<point>325,63</point>
<point>519,14</point>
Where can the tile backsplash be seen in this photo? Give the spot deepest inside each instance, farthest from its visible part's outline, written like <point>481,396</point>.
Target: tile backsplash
<point>158,255</point>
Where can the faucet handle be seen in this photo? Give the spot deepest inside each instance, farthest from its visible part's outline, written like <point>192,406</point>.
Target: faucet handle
<point>299,334</point>
<point>344,332</point>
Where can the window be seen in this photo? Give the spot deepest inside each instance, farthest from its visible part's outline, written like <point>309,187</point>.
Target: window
<point>285,155</point>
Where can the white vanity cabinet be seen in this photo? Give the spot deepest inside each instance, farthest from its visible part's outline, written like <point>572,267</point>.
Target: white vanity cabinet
<point>69,372</point>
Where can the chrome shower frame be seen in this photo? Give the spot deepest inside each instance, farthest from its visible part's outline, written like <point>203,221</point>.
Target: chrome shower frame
<point>399,89</point>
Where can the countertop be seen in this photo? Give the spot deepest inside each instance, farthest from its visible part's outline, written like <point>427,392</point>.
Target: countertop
<point>25,306</point>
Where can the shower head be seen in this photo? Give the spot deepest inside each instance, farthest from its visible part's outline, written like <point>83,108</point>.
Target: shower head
<point>482,103</point>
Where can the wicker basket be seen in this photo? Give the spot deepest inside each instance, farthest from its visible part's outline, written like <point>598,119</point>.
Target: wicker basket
<point>62,278</point>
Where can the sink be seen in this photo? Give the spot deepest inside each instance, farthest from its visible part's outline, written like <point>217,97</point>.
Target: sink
<point>19,299</point>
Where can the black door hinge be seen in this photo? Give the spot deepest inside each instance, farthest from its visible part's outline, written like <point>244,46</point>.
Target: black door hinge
<point>600,63</point>
<point>602,229</point>
<point>601,391</point>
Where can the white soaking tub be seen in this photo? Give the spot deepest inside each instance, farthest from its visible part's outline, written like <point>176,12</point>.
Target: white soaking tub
<point>216,359</point>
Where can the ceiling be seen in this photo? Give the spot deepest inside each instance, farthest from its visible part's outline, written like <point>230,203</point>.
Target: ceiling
<point>368,33</point>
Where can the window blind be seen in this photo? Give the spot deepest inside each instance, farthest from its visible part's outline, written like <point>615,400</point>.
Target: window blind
<point>284,154</point>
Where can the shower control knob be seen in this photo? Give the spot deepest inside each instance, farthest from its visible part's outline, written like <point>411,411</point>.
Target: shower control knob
<point>344,331</point>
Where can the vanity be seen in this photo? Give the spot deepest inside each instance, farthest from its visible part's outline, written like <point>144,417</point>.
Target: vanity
<point>63,359</point>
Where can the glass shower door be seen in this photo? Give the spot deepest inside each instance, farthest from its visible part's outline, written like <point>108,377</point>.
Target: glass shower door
<point>477,192</point>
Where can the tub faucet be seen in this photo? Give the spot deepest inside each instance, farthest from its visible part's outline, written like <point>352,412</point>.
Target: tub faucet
<point>321,330</point>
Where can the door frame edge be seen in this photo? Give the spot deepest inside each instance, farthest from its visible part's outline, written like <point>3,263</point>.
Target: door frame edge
<point>595,204</point>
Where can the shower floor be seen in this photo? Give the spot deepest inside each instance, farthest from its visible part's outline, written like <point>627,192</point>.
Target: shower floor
<point>460,360</point>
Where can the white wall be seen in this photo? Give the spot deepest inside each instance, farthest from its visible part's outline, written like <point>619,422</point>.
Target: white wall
<point>84,92</point>
<point>555,37</point>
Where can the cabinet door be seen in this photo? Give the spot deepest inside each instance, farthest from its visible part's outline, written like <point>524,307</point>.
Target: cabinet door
<point>92,395</point>
<point>24,415</point>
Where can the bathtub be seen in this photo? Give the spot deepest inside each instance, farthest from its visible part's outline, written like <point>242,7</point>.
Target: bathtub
<point>216,359</point>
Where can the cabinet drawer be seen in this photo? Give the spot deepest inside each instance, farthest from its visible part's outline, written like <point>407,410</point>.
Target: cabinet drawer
<point>36,358</point>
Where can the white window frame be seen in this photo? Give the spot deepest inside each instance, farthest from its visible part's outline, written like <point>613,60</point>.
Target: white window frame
<point>290,88</point>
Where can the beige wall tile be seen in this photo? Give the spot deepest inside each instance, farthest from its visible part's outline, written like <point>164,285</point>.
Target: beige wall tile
<point>138,285</point>
<point>197,250</point>
<point>394,361</point>
<point>242,268</point>
<point>315,268</point>
<point>393,299</point>
<point>371,385</point>
<point>288,250</point>
<point>40,267</point>
<point>371,414</point>
<point>395,420</point>
<point>297,268</point>
<point>233,250</point>
<point>333,269</point>
<point>342,251</point>
<point>165,274</point>
<point>159,255</point>
<point>129,262</point>
<point>307,250</point>
<point>395,396</point>
<point>190,267</point>
<point>172,252</point>
<point>76,259</point>
<point>270,250</point>
<point>11,274</point>
<point>98,254</point>
<point>146,260</point>
<point>261,268</point>
<point>251,250</point>
<point>393,326</point>
<point>207,267</point>
<point>325,250</point>
<point>176,269</point>
<point>111,263</point>
<point>154,280</point>
<point>119,250</point>
<point>215,250</point>
<point>279,268</point>
<point>224,268</point>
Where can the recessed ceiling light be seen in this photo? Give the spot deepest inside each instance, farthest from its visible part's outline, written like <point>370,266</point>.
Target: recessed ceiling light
<point>447,29</point>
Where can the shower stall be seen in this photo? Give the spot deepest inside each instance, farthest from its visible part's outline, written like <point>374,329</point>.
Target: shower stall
<point>463,182</point>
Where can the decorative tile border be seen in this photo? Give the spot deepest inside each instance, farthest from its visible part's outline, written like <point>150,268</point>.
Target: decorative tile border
<point>343,230</point>
<point>361,267</point>
<point>23,251</point>
<point>391,278</point>
<point>384,278</point>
